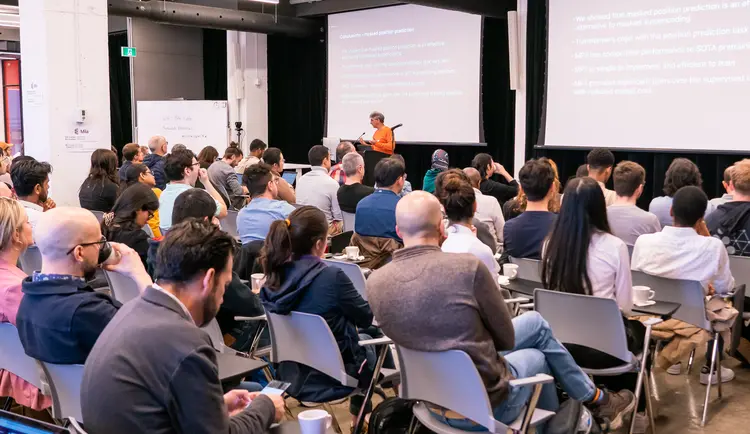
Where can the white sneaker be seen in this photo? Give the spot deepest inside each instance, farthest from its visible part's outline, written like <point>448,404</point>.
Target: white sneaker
<point>726,375</point>
<point>641,423</point>
<point>675,369</point>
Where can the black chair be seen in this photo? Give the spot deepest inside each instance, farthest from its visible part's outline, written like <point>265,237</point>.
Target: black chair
<point>340,242</point>
<point>246,259</point>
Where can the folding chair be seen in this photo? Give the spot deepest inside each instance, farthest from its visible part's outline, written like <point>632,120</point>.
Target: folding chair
<point>123,287</point>
<point>31,260</point>
<point>348,221</point>
<point>229,223</point>
<point>449,379</point>
<point>564,313</point>
<point>740,267</point>
<point>65,389</point>
<point>353,272</point>
<point>14,359</point>
<point>528,269</point>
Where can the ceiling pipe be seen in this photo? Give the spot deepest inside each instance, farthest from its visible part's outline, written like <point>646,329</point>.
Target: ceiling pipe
<point>215,18</point>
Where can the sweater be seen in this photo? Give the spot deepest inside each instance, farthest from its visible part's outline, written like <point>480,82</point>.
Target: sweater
<point>156,164</point>
<point>428,300</point>
<point>428,183</point>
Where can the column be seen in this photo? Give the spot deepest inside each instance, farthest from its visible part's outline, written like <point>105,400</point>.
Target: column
<point>520,139</point>
<point>247,79</point>
<point>65,88</point>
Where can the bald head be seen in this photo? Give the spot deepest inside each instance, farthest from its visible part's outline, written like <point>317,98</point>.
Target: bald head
<point>157,144</point>
<point>60,229</point>
<point>418,216</point>
<point>474,176</point>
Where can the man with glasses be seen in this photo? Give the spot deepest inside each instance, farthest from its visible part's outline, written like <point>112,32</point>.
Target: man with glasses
<point>61,316</point>
<point>627,221</point>
<point>254,220</point>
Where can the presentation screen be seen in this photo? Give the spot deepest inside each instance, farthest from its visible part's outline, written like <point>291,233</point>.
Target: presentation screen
<point>649,74</point>
<point>419,66</point>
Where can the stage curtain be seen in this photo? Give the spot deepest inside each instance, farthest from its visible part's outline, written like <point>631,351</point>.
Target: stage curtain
<point>119,92</point>
<point>215,65</point>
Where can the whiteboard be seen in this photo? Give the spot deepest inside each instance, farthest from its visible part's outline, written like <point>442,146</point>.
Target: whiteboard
<point>195,124</point>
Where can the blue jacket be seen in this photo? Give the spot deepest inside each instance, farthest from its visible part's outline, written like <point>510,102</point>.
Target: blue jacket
<point>156,164</point>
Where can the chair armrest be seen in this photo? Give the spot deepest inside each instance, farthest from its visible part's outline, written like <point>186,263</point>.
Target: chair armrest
<point>526,306</point>
<point>250,318</point>
<point>517,300</point>
<point>378,341</point>
<point>76,427</point>
<point>652,322</point>
<point>537,379</point>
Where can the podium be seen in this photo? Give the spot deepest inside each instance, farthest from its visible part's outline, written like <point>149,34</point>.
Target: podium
<point>371,160</point>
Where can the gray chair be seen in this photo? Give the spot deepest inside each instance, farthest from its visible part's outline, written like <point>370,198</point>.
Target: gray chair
<point>215,334</point>
<point>99,216</point>
<point>353,272</point>
<point>348,221</point>
<point>65,389</point>
<point>123,287</point>
<point>31,260</point>
<point>14,359</point>
<point>229,223</point>
<point>528,269</point>
<point>630,251</point>
<point>740,267</point>
<point>449,379</point>
<point>564,311</point>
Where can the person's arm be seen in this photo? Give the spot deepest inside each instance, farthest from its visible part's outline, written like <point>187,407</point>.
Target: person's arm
<point>353,306</point>
<point>159,176</point>
<point>335,208</point>
<point>624,280</point>
<point>723,281</point>
<point>109,195</point>
<point>221,208</point>
<point>90,319</point>
<point>493,310</point>
<point>500,191</point>
<point>233,184</point>
<point>286,192</point>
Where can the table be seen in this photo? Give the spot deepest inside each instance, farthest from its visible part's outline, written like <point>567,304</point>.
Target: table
<point>521,286</point>
<point>291,427</point>
<point>297,167</point>
<point>234,368</point>
<point>664,309</point>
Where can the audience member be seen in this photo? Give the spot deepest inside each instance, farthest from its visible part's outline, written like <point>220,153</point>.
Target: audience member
<point>15,238</point>
<point>337,172</point>
<point>207,156</point>
<point>257,148</point>
<point>514,207</point>
<point>487,167</point>
<point>254,220</point>
<point>145,151</point>
<point>100,189</point>
<point>382,139</point>
<point>155,160</point>
<point>525,234</point>
<point>459,202</point>
<point>5,162</point>
<point>407,185</point>
<point>132,154</point>
<point>179,147</point>
<point>224,178</point>
<point>135,206</point>
<point>582,171</point>
<point>5,191</point>
<point>600,162</point>
<point>353,191</point>
<point>297,280</point>
<point>61,316</point>
<point>431,283</point>
<point>731,220</point>
<point>681,173</point>
<point>488,209</point>
<point>317,189</point>
<point>31,183</point>
<point>274,158</point>
<point>626,220</point>
<point>182,171</point>
<point>728,196</point>
<point>376,213</point>
<point>140,173</point>
<point>440,163</point>
<point>182,393</point>
<point>685,250</point>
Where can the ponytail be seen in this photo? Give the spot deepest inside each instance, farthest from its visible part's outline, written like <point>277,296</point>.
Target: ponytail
<point>277,250</point>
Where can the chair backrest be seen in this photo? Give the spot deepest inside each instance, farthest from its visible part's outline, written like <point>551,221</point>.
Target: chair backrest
<point>341,241</point>
<point>99,215</point>
<point>14,359</point>
<point>740,268</point>
<point>688,293</point>
<point>229,223</point>
<point>31,260</point>
<point>123,287</point>
<point>348,221</point>
<point>215,334</point>
<point>246,259</point>
<point>630,251</point>
<point>528,269</point>
<point>306,339</point>
<point>354,273</point>
<point>448,379</point>
<point>65,389</point>
<point>571,315</point>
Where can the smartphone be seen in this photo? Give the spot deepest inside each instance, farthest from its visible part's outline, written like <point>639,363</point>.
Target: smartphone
<point>275,388</point>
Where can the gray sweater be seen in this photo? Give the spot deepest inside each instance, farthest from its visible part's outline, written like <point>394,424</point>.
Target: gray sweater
<point>428,300</point>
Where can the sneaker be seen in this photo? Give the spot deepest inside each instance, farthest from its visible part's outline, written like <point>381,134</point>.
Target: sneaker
<point>675,369</point>
<point>641,423</point>
<point>726,375</point>
<point>617,408</point>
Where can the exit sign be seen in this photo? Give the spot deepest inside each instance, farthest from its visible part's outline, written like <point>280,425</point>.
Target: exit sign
<point>128,51</point>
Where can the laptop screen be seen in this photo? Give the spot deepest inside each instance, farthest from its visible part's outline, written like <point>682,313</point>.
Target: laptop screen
<point>239,178</point>
<point>11,423</point>
<point>289,177</point>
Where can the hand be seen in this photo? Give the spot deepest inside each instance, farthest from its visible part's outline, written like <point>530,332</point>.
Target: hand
<point>236,401</point>
<point>362,141</point>
<point>500,170</point>
<point>711,289</point>
<point>203,176</point>
<point>278,403</point>
<point>702,229</point>
<point>128,262</point>
<point>49,204</point>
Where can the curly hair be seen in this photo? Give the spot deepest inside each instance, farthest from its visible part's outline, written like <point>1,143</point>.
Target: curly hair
<point>681,173</point>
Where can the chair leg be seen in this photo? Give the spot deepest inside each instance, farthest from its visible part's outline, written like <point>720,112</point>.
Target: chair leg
<point>334,422</point>
<point>710,377</point>
<point>289,413</point>
<point>267,373</point>
<point>641,375</point>
<point>718,366</point>
<point>649,405</point>
<point>690,361</point>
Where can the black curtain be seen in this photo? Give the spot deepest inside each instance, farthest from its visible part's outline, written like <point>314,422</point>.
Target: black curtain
<point>215,64</point>
<point>119,92</point>
<point>656,163</point>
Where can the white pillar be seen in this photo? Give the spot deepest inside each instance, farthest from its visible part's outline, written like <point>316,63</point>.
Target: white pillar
<point>64,72</point>
<point>520,138</point>
<point>247,79</point>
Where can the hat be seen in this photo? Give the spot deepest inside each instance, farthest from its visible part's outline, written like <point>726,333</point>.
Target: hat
<point>440,160</point>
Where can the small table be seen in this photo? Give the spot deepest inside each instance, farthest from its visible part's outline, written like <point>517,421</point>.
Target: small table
<point>521,286</point>
<point>663,309</point>
<point>291,427</point>
<point>234,368</point>
<point>297,167</point>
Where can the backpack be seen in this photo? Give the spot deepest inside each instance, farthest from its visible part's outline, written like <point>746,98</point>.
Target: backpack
<point>394,416</point>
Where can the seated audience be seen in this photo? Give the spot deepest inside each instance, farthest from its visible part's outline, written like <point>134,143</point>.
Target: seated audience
<point>5,191</point>
<point>626,220</point>
<point>376,213</point>
<point>728,196</point>
<point>182,171</point>
<point>257,148</point>
<point>600,162</point>
<point>297,280</point>
<point>459,202</point>
<point>353,191</point>
<point>100,189</point>
<point>316,188</point>
<point>61,316</point>
<point>582,171</point>
<point>31,183</point>
<point>131,154</point>
<point>407,185</point>
<point>274,158</point>
<point>514,207</point>
<point>207,156</point>
<point>685,250</point>
<point>524,235</point>
<point>155,160</point>
<point>140,173</point>
<point>182,391</point>
<point>145,151</point>
<point>337,172</point>
<point>254,220</point>
<point>487,167</point>
<point>681,173</point>
<point>440,163</point>
<point>488,209</point>
<point>135,206</point>
<point>15,238</point>
<point>432,283</point>
<point>731,220</point>
<point>224,178</point>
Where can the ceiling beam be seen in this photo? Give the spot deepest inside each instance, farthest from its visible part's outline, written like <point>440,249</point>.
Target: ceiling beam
<point>488,8</point>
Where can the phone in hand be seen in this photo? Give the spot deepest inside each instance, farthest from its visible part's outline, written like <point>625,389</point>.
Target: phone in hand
<point>275,388</point>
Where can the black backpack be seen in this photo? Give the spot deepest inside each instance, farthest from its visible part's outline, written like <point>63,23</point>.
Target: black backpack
<point>394,416</point>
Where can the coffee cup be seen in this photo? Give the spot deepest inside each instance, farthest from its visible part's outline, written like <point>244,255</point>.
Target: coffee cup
<point>503,280</point>
<point>642,294</point>
<point>257,281</point>
<point>510,271</point>
<point>314,421</point>
<point>352,253</point>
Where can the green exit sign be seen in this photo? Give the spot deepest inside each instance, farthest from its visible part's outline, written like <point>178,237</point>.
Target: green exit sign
<point>128,51</point>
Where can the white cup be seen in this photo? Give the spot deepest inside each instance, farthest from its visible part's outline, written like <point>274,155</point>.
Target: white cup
<point>642,294</point>
<point>257,280</point>
<point>314,421</point>
<point>503,280</point>
<point>510,270</point>
<point>352,253</point>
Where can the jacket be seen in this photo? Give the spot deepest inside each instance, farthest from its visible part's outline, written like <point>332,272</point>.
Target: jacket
<point>428,184</point>
<point>732,220</point>
<point>239,300</point>
<point>376,250</point>
<point>500,191</point>
<point>156,164</point>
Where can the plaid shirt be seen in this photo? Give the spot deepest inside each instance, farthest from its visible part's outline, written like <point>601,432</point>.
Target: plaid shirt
<point>338,175</point>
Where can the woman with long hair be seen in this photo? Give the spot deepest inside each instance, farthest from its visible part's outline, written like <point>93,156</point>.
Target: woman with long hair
<point>207,156</point>
<point>100,189</point>
<point>140,173</point>
<point>514,207</point>
<point>135,206</point>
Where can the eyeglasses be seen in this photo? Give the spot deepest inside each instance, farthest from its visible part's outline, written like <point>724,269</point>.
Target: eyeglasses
<point>100,243</point>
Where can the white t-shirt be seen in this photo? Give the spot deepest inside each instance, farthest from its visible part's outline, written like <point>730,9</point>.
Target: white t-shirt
<point>462,240</point>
